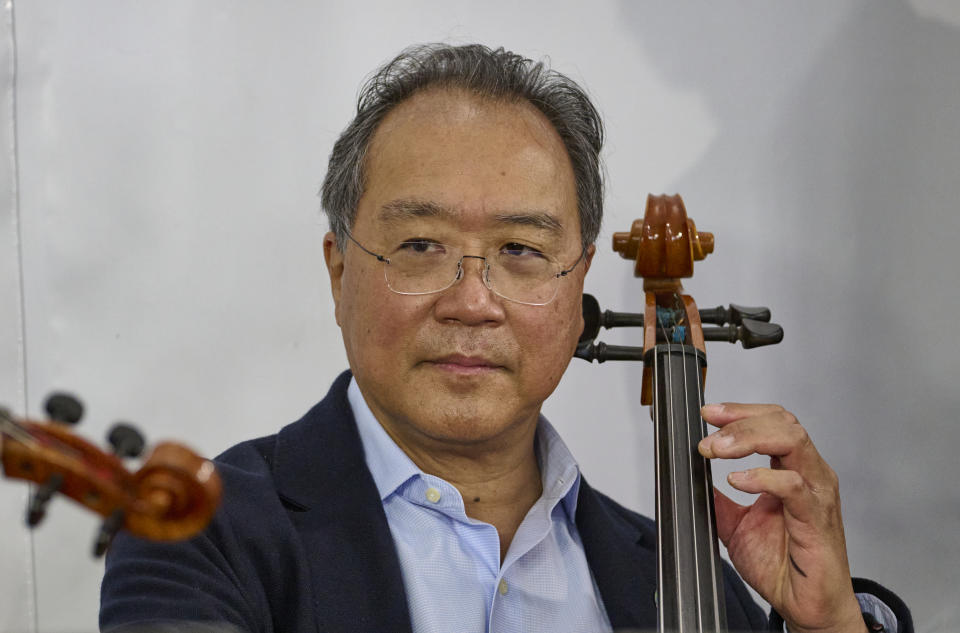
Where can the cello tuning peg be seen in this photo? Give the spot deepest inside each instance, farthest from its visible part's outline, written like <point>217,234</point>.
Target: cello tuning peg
<point>734,314</point>
<point>601,352</point>
<point>739,313</point>
<point>108,530</point>
<point>591,318</point>
<point>594,319</point>
<point>125,440</point>
<point>757,333</point>
<point>37,508</point>
<point>62,407</point>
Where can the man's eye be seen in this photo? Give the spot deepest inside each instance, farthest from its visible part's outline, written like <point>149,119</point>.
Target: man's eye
<point>516,249</point>
<point>421,247</point>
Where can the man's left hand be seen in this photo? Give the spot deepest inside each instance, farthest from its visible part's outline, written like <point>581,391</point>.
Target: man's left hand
<point>789,544</point>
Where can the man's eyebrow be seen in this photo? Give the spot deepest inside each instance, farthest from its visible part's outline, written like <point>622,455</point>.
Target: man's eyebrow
<point>405,209</point>
<point>409,208</point>
<point>539,219</point>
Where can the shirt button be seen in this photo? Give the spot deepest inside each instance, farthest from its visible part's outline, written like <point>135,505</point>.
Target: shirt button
<point>433,495</point>
<point>502,587</point>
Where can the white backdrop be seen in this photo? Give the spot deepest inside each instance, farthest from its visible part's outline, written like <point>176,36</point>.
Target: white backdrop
<point>161,254</point>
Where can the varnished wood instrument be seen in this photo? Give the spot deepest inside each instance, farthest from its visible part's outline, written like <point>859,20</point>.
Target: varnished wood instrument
<point>171,497</point>
<point>663,247</point>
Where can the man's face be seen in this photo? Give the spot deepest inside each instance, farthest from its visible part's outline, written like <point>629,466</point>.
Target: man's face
<point>463,366</point>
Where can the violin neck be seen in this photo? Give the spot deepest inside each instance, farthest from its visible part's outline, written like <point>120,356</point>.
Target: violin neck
<point>689,573</point>
<point>10,427</point>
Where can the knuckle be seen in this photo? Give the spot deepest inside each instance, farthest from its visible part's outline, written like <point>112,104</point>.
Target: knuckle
<point>788,417</point>
<point>794,483</point>
<point>800,436</point>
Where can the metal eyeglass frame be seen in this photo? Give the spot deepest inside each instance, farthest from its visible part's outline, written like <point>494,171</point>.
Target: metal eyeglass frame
<point>485,275</point>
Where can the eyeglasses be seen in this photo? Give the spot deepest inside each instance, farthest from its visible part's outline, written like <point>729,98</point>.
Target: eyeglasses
<point>516,272</point>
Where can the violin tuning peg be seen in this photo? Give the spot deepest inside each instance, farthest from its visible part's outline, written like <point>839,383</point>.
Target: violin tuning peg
<point>757,333</point>
<point>36,511</point>
<point>37,508</point>
<point>108,530</point>
<point>62,407</point>
<point>125,440</point>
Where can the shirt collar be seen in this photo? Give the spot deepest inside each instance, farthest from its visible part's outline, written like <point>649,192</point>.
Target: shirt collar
<point>388,464</point>
<point>391,467</point>
<point>559,471</point>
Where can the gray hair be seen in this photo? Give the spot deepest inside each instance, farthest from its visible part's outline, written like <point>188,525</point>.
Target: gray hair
<point>497,74</point>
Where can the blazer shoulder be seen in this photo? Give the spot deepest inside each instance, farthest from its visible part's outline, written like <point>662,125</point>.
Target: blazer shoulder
<point>254,456</point>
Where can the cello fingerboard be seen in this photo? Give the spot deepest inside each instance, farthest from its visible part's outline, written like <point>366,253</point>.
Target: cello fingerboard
<point>691,596</point>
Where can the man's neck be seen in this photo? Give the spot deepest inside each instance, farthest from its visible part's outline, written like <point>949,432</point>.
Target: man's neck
<point>498,486</point>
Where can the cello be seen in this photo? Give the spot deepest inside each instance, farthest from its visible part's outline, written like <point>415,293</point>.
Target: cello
<point>664,246</point>
<point>171,497</point>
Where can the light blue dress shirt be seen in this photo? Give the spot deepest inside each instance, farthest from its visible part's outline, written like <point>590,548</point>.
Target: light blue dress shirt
<point>450,563</point>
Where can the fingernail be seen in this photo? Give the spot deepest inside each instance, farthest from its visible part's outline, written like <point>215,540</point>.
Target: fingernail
<point>705,445</point>
<point>737,476</point>
<point>711,443</point>
<point>722,441</point>
<point>709,410</point>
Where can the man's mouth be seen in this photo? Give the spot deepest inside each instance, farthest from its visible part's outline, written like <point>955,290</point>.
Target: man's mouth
<point>463,365</point>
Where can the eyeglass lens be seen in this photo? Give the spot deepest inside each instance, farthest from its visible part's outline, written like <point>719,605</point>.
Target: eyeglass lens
<point>521,275</point>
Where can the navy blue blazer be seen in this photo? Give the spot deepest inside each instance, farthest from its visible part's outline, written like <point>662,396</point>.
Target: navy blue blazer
<point>301,543</point>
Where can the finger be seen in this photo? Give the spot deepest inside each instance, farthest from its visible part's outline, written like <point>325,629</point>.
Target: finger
<point>729,514</point>
<point>786,485</point>
<point>776,434</point>
<point>721,414</point>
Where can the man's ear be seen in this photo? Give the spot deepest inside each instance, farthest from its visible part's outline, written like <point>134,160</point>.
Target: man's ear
<point>588,257</point>
<point>334,259</point>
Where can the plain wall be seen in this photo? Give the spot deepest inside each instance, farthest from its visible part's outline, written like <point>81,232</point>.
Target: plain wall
<point>160,235</point>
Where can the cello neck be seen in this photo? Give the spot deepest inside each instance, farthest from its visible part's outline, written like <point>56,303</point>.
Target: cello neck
<point>690,577</point>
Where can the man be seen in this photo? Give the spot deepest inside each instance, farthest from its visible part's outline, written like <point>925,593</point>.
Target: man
<point>425,492</point>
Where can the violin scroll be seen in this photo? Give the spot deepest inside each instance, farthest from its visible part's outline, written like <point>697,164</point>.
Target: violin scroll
<point>171,497</point>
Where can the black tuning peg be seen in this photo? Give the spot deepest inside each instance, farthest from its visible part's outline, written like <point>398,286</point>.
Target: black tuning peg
<point>734,314</point>
<point>62,407</point>
<point>749,326</point>
<point>108,530</point>
<point>594,319</point>
<point>750,333</point>
<point>591,318</point>
<point>757,333</point>
<point>37,507</point>
<point>125,440</point>
<point>601,352</point>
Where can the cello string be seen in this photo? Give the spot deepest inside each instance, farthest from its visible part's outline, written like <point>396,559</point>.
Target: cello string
<point>688,447</point>
<point>708,500</point>
<point>661,625</point>
<point>672,463</point>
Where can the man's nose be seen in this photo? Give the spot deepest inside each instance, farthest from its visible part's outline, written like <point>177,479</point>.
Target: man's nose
<point>469,300</point>
<point>464,264</point>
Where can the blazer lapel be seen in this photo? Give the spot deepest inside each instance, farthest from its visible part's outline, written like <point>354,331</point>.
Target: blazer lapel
<point>321,474</point>
<point>620,553</point>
